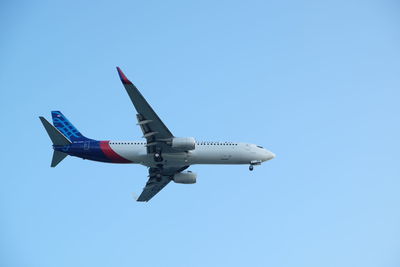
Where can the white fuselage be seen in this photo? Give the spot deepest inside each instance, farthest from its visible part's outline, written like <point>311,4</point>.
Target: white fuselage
<point>204,153</point>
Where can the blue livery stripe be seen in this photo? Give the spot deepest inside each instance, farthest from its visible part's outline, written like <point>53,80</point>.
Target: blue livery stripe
<point>66,127</point>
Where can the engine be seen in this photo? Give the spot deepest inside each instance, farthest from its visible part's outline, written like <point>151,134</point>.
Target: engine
<point>183,143</point>
<point>185,178</point>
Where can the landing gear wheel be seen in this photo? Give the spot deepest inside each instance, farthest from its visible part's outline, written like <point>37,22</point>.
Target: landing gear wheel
<point>157,157</point>
<point>158,177</point>
<point>251,167</point>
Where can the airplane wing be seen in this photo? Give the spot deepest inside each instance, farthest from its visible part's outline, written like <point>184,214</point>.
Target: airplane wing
<point>157,181</point>
<point>154,130</point>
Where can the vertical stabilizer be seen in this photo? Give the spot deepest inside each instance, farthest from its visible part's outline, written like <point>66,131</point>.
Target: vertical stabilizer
<point>66,127</point>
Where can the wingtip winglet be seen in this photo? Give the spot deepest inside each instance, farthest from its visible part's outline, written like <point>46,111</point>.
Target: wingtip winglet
<point>122,76</point>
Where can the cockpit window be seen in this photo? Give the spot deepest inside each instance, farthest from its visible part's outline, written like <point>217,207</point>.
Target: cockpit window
<point>260,146</point>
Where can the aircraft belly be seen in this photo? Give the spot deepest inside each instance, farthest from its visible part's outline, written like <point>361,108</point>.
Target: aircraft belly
<point>176,159</point>
<point>211,155</point>
<point>218,156</point>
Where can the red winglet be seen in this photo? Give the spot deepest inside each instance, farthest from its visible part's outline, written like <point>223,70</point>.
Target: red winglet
<point>122,76</point>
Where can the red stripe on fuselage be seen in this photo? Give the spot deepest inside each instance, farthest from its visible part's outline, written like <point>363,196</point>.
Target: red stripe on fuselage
<point>111,154</point>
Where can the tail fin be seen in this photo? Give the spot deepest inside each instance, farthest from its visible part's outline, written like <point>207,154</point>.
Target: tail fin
<point>58,139</point>
<point>66,128</point>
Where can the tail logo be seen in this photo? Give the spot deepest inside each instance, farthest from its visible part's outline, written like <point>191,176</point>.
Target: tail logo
<point>64,126</point>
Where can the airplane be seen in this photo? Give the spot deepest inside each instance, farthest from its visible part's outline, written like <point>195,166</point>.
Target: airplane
<point>166,156</point>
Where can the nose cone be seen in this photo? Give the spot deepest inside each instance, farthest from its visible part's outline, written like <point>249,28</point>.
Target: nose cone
<point>268,155</point>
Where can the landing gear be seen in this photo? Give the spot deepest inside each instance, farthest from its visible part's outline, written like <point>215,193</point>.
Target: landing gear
<point>253,163</point>
<point>158,157</point>
<point>156,173</point>
<point>158,177</point>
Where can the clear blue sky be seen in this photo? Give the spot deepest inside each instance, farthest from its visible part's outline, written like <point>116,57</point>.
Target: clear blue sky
<point>316,82</point>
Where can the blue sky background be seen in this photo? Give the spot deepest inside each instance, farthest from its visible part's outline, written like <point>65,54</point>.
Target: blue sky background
<point>316,82</point>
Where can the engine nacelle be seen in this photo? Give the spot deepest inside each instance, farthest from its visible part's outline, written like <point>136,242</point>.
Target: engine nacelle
<point>183,143</point>
<point>185,178</point>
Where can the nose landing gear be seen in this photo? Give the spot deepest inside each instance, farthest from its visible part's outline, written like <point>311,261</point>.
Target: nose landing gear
<point>253,163</point>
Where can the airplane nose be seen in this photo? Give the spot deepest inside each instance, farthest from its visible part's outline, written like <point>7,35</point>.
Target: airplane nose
<point>268,155</point>
<point>272,155</point>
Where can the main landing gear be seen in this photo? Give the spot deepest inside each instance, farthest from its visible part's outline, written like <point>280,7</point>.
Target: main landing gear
<point>158,157</point>
<point>251,167</point>
<point>158,177</point>
<point>156,172</point>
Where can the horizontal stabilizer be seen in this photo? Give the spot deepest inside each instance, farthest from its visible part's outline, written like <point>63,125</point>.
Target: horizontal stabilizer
<point>58,156</point>
<point>55,135</point>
